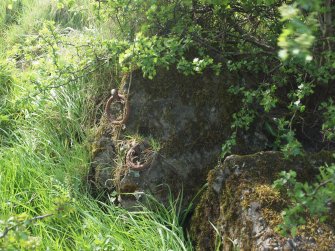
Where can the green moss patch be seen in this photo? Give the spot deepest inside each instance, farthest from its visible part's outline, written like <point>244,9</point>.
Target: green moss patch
<point>244,183</point>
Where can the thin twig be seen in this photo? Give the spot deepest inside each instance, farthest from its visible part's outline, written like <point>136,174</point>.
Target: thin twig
<point>36,218</point>
<point>322,184</point>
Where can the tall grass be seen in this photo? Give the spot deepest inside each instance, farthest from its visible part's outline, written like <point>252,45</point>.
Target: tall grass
<point>24,17</point>
<point>45,161</point>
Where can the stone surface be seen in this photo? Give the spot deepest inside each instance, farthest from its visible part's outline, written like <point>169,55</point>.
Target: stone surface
<point>102,165</point>
<point>188,117</point>
<point>242,209</point>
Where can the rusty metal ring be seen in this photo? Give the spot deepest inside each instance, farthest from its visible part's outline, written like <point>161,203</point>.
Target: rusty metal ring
<point>140,166</point>
<point>117,97</point>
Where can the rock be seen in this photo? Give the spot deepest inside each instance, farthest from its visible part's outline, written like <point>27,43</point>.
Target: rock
<point>241,208</point>
<point>188,117</point>
<point>182,176</point>
<point>102,165</point>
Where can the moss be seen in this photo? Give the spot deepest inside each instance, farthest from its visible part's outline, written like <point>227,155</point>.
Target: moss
<point>321,233</point>
<point>104,129</point>
<point>265,194</point>
<point>248,179</point>
<point>203,230</point>
<point>272,203</point>
<point>272,217</point>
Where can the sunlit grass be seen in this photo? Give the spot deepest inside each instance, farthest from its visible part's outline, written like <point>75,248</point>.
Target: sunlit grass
<point>45,159</point>
<point>47,165</point>
<point>25,16</point>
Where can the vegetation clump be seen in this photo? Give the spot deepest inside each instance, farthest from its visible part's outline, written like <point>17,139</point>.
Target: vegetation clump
<point>54,72</point>
<point>60,59</point>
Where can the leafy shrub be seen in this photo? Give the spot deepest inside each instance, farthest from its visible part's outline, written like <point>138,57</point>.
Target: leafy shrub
<point>311,200</point>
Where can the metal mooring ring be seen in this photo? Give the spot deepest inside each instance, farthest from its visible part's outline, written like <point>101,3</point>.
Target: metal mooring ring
<point>114,98</point>
<point>136,151</point>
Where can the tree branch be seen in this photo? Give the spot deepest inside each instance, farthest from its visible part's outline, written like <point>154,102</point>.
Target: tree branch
<point>250,38</point>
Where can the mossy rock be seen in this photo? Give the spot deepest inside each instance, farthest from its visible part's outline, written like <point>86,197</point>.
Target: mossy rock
<point>100,177</point>
<point>189,117</point>
<point>184,113</point>
<point>241,208</point>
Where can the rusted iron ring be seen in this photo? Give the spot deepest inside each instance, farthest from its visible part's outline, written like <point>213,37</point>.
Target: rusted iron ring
<point>116,97</point>
<point>134,154</point>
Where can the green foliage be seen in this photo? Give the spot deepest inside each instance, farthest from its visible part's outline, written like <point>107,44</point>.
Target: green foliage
<point>228,145</point>
<point>154,36</point>
<point>19,238</point>
<point>57,53</point>
<point>51,71</point>
<point>240,38</point>
<point>328,127</point>
<point>286,141</point>
<point>264,96</point>
<point>307,54</point>
<point>13,10</point>
<point>306,199</point>
<point>297,36</point>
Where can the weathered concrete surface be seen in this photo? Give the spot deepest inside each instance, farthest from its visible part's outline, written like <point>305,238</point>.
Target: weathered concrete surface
<point>241,209</point>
